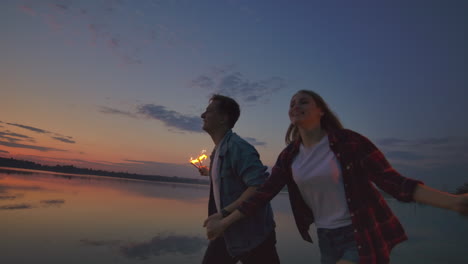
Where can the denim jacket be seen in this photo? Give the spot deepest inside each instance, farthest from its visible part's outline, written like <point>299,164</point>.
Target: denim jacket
<point>239,168</point>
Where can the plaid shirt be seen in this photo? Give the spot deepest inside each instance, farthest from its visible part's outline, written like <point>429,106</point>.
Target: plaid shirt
<point>376,228</point>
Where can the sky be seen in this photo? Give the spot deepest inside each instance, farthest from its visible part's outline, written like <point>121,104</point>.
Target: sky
<point>120,85</point>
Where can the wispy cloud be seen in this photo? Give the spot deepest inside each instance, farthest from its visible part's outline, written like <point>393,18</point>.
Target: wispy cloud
<point>14,137</point>
<point>254,141</point>
<point>7,134</point>
<point>108,110</point>
<point>4,151</point>
<point>227,81</point>
<point>40,148</point>
<point>34,129</point>
<point>91,242</point>
<point>171,118</point>
<point>66,140</point>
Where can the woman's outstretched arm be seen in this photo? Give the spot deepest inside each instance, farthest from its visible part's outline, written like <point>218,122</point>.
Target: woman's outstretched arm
<point>427,195</point>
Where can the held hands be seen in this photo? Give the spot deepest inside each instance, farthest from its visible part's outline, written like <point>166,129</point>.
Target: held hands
<point>214,226</point>
<point>204,171</point>
<point>461,206</point>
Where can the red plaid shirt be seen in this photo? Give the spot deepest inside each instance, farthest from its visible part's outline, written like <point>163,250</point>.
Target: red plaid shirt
<point>376,228</point>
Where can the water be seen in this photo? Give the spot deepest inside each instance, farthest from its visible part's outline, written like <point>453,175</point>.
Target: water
<point>55,218</point>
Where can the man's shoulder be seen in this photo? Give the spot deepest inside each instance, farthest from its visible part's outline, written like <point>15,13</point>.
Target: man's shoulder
<point>235,139</point>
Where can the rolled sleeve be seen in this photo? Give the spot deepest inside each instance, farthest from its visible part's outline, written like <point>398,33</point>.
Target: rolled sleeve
<point>266,191</point>
<point>248,165</point>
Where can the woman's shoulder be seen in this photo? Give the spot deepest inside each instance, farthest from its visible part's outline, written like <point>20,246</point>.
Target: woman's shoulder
<point>344,132</point>
<point>347,135</point>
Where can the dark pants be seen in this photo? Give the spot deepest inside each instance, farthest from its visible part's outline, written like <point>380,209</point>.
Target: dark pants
<point>217,253</point>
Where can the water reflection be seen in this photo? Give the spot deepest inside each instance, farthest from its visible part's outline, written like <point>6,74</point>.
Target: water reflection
<point>16,206</point>
<point>56,203</point>
<point>160,245</point>
<point>102,220</point>
<point>157,246</point>
<point>8,197</point>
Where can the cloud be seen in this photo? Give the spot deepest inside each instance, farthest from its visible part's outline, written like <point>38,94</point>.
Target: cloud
<point>4,151</point>
<point>66,140</point>
<point>171,118</point>
<point>61,6</point>
<point>40,148</point>
<point>90,242</point>
<point>108,110</point>
<point>254,141</point>
<point>8,133</point>
<point>38,130</point>
<point>232,83</point>
<point>16,206</point>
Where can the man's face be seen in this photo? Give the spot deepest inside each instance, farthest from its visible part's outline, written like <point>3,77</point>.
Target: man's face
<point>212,118</point>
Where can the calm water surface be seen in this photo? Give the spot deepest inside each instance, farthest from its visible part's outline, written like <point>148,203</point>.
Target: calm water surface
<point>55,218</point>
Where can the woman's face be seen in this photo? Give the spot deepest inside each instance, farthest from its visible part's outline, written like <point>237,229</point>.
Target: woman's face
<point>303,111</point>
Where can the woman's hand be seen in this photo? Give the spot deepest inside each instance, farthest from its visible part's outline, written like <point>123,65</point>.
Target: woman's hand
<point>461,205</point>
<point>214,226</point>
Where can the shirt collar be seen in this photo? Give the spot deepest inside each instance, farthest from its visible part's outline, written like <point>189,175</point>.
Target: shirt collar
<point>222,146</point>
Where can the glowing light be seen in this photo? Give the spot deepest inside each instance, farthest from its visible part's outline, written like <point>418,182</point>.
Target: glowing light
<point>198,162</point>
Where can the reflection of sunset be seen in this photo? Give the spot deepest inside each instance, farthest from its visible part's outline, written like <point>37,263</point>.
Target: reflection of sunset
<point>107,203</point>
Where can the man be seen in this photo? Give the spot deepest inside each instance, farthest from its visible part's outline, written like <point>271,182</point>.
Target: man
<point>235,172</point>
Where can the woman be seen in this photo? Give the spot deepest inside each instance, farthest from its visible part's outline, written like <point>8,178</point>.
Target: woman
<point>330,173</point>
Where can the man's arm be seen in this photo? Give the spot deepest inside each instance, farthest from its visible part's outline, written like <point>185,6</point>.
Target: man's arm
<point>213,222</point>
<point>244,196</point>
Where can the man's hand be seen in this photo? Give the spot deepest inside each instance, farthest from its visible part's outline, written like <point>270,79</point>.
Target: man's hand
<point>214,226</point>
<point>204,171</point>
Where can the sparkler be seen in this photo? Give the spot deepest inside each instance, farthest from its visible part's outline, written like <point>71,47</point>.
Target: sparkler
<point>198,162</point>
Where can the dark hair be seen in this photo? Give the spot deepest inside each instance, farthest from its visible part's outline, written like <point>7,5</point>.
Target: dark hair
<point>227,106</point>
<point>328,122</point>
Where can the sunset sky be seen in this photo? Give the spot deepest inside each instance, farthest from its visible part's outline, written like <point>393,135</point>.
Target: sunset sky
<point>120,84</point>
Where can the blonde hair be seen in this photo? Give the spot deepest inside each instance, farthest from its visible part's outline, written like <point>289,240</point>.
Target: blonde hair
<point>328,122</point>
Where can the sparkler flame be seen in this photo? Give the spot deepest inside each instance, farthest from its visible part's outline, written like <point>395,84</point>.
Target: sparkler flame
<point>198,162</point>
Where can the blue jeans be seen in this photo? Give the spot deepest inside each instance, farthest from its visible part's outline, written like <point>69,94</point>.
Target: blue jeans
<point>336,244</point>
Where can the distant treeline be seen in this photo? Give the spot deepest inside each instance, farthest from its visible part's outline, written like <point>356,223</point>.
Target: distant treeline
<point>24,164</point>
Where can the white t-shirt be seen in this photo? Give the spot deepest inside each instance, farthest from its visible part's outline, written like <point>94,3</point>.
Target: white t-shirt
<point>317,173</point>
<point>215,180</point>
